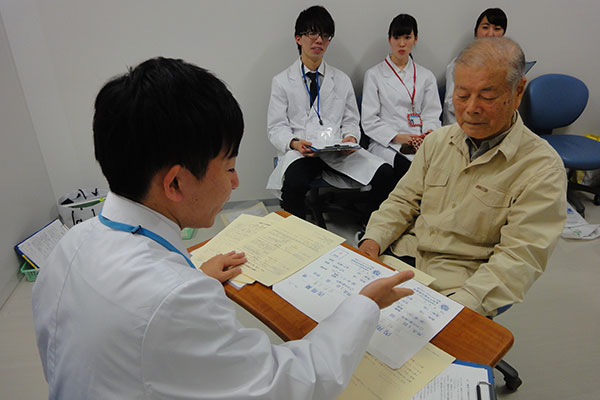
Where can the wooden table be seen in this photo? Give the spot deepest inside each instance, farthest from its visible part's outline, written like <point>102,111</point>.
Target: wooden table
<point>469,336</point>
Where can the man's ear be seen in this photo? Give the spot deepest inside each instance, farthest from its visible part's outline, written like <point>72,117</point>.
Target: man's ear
<point>171,182</point>
<point>519,91</point>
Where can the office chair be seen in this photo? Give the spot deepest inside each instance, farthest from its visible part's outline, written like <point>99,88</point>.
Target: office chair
<point>554,101</point>
<point>510,374</point>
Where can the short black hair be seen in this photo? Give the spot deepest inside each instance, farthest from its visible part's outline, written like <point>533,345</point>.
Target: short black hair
<point>316,19</point>
<point>495,16</point>
<point>403,24</point>
<point>162,113</point>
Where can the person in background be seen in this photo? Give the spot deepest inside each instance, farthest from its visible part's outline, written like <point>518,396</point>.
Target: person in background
<point>400,101</point>
<point>312,102</point>
<point>483,203</point>
<point>491,23</point>
<point>121,312</point>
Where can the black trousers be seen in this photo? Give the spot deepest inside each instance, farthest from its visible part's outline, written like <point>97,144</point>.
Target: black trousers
<point>301,173</point>
<point>401,165</point>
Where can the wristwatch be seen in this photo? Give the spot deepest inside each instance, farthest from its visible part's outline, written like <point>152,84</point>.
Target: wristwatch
<point>292,141</point>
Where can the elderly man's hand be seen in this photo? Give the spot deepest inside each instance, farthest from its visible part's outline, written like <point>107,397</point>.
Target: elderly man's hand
<point>370,247</point>
<point>384,292</point>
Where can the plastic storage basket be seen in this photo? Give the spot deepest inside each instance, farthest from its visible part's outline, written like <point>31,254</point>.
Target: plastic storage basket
<point>29,272</point>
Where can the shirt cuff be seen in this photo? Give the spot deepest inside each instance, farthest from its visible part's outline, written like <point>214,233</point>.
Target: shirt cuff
<point>465,298</point>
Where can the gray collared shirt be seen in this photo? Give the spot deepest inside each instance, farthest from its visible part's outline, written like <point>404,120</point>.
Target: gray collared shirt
<point>476,150</point>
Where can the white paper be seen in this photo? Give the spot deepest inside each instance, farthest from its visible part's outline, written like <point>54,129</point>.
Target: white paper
<point>410,323</point>
<point>577,227</point>
<point>39,246</point>
<point>457,382</point>
<point>404,328</point>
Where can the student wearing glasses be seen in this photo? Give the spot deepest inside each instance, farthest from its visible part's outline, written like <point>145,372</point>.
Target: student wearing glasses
<point>313,102</point>
<point>400,101</point>
<point>491,23</point>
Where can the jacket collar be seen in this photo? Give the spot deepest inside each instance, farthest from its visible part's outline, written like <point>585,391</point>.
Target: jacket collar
<point>325,87</point>
<point>120,209</point>
<point>508,147</point>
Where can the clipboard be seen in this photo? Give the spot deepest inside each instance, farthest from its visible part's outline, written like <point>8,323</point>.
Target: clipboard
<point>485,390</point>
<point>38,246</point>
<point>461,376</point>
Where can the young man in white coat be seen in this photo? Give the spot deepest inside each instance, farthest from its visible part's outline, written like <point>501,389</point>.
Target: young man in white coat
<point>120,312</point>
<point>313,102</point>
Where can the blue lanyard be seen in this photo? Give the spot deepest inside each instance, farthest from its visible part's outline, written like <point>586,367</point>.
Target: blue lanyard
<point>119,226</point>
<point>318,92</point>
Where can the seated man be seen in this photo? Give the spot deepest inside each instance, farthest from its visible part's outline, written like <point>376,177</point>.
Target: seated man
<point>312,101</point>
<point>119,313</point>
<point>483,203</point>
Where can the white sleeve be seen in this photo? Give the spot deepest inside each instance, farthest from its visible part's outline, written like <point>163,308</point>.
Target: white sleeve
<point>278,123</point>
<point>372,123</point>
<point>350,120</point>
<point>194,348</point>
<point>431,108</point>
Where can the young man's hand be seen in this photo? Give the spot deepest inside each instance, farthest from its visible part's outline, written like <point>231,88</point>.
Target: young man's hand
<point>349,139</point>
<point>384,292</point>
<point>303,147</point>
<point>223,267</point>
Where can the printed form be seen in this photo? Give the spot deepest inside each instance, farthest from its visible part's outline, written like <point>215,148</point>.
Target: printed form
<point>404,327</point>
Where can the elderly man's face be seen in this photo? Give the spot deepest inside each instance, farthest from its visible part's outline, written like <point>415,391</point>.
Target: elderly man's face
<point>484,103</point>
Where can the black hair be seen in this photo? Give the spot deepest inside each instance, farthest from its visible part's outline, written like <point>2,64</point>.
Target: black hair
<point>403,24</point>
<point>316,19</point>
<point>495,16</point>
<point>163,112</point>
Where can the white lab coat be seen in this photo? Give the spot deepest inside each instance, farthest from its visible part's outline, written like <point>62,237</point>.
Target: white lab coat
<point>118,316</point>
<point>449,115</point>
<point>290,115</point>
<point>386,104</point>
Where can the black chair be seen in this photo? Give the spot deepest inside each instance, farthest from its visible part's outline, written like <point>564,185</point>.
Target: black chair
<point>511,375</point>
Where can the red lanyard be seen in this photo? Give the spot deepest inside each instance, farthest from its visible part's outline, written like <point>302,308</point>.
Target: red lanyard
<point>412,98</point>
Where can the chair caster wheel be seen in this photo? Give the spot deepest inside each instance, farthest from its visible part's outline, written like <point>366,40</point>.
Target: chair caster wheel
<point>513,383</point>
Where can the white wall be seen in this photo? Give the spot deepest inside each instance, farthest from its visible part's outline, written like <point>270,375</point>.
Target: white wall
<point>26,202</point>
<point>65,50</point>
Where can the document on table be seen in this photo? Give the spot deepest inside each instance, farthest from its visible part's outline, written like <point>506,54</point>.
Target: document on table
<point>460,381</point>
<point>404,327</point>
<point>375,380</point>
<point>275,248</point>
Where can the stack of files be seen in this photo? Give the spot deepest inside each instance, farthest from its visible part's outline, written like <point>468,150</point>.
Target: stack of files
<point>275,247</point>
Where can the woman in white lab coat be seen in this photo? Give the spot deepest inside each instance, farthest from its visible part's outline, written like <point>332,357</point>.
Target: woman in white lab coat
<point>400,101</point>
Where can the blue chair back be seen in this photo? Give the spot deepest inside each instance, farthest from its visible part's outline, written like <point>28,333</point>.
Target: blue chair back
<point>553,101</point>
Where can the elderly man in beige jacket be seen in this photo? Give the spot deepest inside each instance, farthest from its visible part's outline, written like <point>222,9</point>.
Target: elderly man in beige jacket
<point>483,203</point>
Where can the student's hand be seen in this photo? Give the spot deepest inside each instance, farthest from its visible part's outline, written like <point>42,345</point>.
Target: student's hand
<point>384,292</point>
<point>223,267</point>
<point>347,139</point>
<point>302,146</point>
<point>404,138</point>
<point>370,247</point>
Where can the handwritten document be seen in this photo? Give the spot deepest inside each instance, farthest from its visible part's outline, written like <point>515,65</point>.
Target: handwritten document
<point>275,248</point>
<point>38,246</point>
<point>375,380</point>
<point>404,327</point>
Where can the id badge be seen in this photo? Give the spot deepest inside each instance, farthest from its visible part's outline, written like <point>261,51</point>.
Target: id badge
<point>414,119</point>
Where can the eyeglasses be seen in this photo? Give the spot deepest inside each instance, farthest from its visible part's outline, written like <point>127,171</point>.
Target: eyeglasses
<point>312,35</point>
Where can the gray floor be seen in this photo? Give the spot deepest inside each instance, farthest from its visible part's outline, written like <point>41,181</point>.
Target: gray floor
<point>556,329</point>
